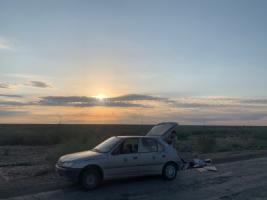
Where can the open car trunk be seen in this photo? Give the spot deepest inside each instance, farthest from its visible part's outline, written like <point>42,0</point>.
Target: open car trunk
<point>163,130</point>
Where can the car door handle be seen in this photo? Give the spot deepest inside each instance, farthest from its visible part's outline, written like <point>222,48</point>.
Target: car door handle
<point>125,159</point>
<point>135,157</point>
<point>163,156</point>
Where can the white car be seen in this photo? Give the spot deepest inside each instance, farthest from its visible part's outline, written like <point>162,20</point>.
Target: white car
<point>124,156</point>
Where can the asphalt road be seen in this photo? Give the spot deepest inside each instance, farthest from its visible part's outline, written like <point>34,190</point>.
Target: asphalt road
<point>241,180</point>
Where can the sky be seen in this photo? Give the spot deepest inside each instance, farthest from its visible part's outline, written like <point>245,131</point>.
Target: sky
<point>200,62</point>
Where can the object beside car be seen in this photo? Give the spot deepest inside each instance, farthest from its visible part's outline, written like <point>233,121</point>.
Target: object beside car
<point>122,157</point>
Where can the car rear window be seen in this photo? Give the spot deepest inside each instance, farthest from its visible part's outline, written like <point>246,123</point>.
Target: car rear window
<point>148,145</point>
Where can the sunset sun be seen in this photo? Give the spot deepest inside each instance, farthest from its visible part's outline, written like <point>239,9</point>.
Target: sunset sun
<point>100,97</point>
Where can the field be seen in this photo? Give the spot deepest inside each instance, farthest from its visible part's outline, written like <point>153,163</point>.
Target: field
<point>203,139</point>
<point>29,152</point>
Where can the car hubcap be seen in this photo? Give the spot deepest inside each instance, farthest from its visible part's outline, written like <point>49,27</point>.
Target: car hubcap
<point>170,171</point>
<point>90,179</point>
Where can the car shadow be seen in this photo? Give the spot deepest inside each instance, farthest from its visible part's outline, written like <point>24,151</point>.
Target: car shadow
<point>123,181</point>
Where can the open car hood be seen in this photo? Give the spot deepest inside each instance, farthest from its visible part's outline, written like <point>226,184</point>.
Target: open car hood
<point>162,130</point>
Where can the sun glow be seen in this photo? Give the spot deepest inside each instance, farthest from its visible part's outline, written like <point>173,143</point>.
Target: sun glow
<point>100,97</point>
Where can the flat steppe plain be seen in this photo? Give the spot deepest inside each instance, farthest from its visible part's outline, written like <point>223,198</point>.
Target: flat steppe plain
<point>29,152</point>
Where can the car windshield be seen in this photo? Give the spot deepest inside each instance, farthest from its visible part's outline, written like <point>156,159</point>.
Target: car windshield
<point>160,129</point>
<point>107,145</point>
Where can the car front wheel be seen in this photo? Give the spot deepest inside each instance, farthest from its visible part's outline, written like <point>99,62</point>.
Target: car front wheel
<point>91,179</point>
<point>169,171</point>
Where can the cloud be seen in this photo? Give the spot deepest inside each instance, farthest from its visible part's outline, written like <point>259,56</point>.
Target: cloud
<point>139,100</point>
<point>83,101</point>
<point>4,44</point>
<point>195,105</point>
<point>6,113</point>
<point>67,100</point>
<point>194,110</point>
<point>39,84</point>
<point>11,95</point>
<point>209,104</point>
<point>5,85</point>
<point>214,102</point>
<point>15,103</point>
<point>254,101</point>
<point>137,97</point>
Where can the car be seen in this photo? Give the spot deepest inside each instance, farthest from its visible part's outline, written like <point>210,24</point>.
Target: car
<point>124,157</point>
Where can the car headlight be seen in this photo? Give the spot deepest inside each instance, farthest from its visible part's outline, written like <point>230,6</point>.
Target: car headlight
<point>67,164</point>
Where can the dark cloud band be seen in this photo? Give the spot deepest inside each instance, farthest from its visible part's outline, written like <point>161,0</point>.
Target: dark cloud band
<point>39,84</point>
<point>11,95</point>
<point>83,101</point>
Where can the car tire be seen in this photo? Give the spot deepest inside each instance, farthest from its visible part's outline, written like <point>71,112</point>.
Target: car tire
<point>91,179</point>
<point>169,171</point>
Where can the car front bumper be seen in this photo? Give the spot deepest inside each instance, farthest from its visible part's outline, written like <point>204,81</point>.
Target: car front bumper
<point>71,174</point>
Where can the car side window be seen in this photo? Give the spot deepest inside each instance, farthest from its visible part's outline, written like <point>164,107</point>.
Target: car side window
<point>148,145</point>
<point>160,147</point>
<point>128,146</point>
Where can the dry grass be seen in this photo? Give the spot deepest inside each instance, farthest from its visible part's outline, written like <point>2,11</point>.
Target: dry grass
<point>71,138</point>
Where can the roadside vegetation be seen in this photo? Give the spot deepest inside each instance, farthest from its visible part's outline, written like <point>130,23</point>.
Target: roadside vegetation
<point>72,138</point>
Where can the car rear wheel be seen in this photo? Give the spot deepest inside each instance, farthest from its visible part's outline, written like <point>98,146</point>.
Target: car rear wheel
<point>91,179</point>
<point>169,171</point>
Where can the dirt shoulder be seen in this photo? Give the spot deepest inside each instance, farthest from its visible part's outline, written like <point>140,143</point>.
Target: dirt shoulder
<point>24,169</point>
<point>239,180</point>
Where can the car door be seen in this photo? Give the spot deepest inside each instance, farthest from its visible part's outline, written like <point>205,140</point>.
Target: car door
<point>152,156</point>
<point>124,160</point>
